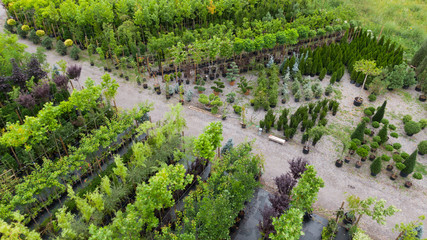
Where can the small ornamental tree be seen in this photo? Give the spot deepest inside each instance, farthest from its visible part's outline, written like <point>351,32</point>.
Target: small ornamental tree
<point>367,67</point>
<point>359,132</point>
<point>380,113</point>
<point>422,147</point>
<point>376,166</point>
<point>410,231</point>
<point>383,134</point>
<point>288,226</point>
<point>409,164</point>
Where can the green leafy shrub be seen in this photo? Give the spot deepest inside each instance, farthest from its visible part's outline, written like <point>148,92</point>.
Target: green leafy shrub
<point>47,43</point>
<point>362,152</point>
<point>423,123</point>
<point>397,146</point>
<point>407,118</point>
<point>375,124</point>
<point>412,128</point>
<point>366,119</point>
<point>385,157</point>
<point>417,175</point>
<point>400,166</point>
<point>61,48</point>
<point>392,127</point>
<point>357,141</point>
<point>422,147</point>
<point>377,139</point>
<point>237,109</point>
<point>389,148</point>
<point>33,37</point>
<point>367,131</point>
<point>394,134</point>
<point>384,121</point>
<point>74,53</point>
<point>372,97</point>
<point>404,155</point>
<point>367,112</point>
<point>374,145</point>
<point>397,158</point>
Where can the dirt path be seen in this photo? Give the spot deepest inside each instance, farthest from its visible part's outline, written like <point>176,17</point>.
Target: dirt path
<point>338,182</point>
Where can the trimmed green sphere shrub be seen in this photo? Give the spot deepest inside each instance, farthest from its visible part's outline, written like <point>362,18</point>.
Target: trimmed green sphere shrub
<point>374,145</point>
<point>392,127</point>
<point>412,128</point>
<point>372,109</point>
<point>357,141</point>
<point>423,123</point>
<point>404,155</point>
<point>372,97</point>
<point>394,134</point>
<point>417,175</point>
<point>375,124</point>
<point>400,166</point>
<point>407,118</point>
<point>422,147</point>
<point>367,131</point>
<point>368,113</point>
<point>389,148</point>
<point>377,139</point>
<point>397,146</point>
<point>385,157</point>
<point>366,119</point>
<point>397,158</point>
<point>384,121</point>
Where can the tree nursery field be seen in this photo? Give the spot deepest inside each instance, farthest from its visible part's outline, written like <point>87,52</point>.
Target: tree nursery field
<point>162,119</point>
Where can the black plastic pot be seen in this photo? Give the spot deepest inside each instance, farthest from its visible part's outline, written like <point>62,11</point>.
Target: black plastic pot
<point>422,98</point>
<point>402,174</point>
<point>358,164</point>
<point>389,167</point>
<point>408,184</point>
<point>305,150</point>
<point>373,174</point>
<point>358,101</point>
<point>347,159</point>
<point>393,177</point>
<point>338,163</point>
<point>145,86</point>
<point>243,125</point>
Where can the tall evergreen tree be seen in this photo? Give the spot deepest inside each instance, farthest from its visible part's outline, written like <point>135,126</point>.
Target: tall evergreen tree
<point>359,132</point>
<point>409,164</point>
<point>383,133</point>
<point>376,166</point>
<point>380,113</point>
<point>420,54</point>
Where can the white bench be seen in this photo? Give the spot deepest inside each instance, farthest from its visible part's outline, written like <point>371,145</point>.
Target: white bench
<point>276,139</point>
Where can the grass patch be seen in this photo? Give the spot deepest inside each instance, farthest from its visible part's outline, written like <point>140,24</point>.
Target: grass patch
<point>338,94</point>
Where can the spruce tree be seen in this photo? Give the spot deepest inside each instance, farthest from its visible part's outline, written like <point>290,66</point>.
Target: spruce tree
<point>330,67</point>
<point>376,166</point>
<point>359,132</point>
<point>314,68</point>
<point>383,134</point>
<point>322,74</point>
<point>333,78</point>
<point>409,164</point>
<point>380,113</point>
<point>61,48</point>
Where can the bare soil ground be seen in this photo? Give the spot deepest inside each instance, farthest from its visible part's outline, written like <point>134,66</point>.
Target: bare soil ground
<point>338,182</point>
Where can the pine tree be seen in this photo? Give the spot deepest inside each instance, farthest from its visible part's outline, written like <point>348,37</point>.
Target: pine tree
<point>383,134</point>
<point>322,74</point>
<point>409,164</point>
<point>376,166</point>
<point>330,67</point>
<point>333,78</point>
<point>314,68</point>
<point>359,132</point>
<point>380,113</point>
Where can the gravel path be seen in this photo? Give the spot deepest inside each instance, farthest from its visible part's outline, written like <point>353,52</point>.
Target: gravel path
<point>338,182</point>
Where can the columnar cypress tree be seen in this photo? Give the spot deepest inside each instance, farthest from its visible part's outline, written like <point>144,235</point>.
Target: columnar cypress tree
<point>383,133</point>
<point>409,164</point>
<point>376,166</point>
<point>322,74</point>
<point>333,78</point>
<point>380,113</point>
<point>359,133</point>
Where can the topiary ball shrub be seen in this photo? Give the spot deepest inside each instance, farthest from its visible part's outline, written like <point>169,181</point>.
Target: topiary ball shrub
<point>40,33</point>
<point>400,166</point>
<point>389,148</point>
<point>394,134</point>
<point>367,131</point>
<point>357,141</point>
<point>392,127</point>
<point>404,155</point>
<point>374,145</point>
<point>367,112</point>
<point>377,139</point>
<point>422,147</point>
<point>375,124</point>
<point>397,146</point>
<point>407,118</point>
<point>68,43</point>
<point>412,128</point>
<point>423,123</point>
<point>384,121</point>
<point>366,119</point>
<point>385,157</point>
<point>417,175</point>
<point>397,158</point>
<point>372,97</point>
<point>372,109</point>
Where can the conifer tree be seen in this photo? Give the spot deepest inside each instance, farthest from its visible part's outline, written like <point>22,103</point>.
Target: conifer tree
<point>383,134</point>
<point>409,164</point>
<point>322,74</point>
<point>376,166</point>
<point>380,113</point>
<point>330,67</point>
<point>61,48</point>
<point>359,132</point>
<point>333,78</point>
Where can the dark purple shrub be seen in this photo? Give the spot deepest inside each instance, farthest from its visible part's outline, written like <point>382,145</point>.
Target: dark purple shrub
<point>266,224</point>
<point>4,85</point>
<point>74,71</point>
<point>61,81</point>
<point>34,70</point>
<point>41,91</point>
<point>285,183</point>
<point>18,77</point>
<point>297,167</point>
<point>26,100</point>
